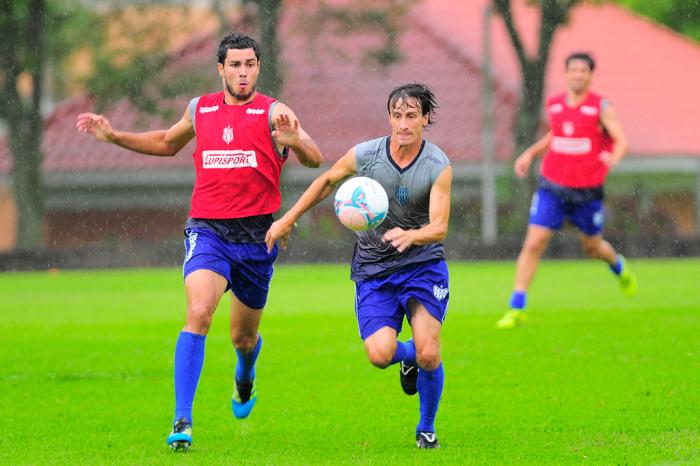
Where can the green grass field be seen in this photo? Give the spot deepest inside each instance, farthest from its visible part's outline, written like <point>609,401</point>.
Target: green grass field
<point>594,378</point>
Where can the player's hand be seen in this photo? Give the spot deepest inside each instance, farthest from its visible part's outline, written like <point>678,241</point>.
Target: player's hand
<point>399,238</point>
<point>286,131</point>
<point>279,231</point>
<point>608,159</point>
<point>522,165</point>
<point>96,125</point>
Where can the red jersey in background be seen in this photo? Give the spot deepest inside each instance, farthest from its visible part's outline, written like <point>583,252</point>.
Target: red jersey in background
<point>578,138</point>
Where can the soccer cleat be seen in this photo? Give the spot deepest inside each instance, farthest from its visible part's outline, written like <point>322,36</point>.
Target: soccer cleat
<point>180,438</point>
<point>243,400</point>
<point>408,375</point>
<point>427,440</point>
<point>511,319</point>
<point>628,280</point>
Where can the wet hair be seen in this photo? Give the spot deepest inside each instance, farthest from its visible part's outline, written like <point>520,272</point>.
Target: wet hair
<point>580,56</point>
<point>418,92</point>
<point>236,40</point>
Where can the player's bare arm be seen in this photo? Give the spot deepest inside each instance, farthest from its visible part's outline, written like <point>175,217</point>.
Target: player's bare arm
<point>321,187</point>
<point>609,120</point>
<point>523,162</point>
<point>162,143</point>
<point>439,213</point>
<point>288,132</point>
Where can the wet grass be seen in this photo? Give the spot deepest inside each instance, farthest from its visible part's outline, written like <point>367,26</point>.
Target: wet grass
<point>594,377</point>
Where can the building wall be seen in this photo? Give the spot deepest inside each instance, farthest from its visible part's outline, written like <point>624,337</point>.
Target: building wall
<point>8,219</point>
<point>76,229</point>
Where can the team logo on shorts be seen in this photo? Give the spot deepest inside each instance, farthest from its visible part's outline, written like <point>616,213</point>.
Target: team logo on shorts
<point>192,239</point>
<point>402,194</point>
<point>439,292</point>
<point>228,135</point>
<point>598,218</point>
<point>535,203</point>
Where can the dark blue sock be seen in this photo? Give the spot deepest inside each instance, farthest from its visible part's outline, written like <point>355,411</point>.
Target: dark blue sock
<point>517,300</point>
<point>189,359</point>
<point>617,268</point>
<point>429,391</point>
<point>404,352</point>
<point>245,364</point>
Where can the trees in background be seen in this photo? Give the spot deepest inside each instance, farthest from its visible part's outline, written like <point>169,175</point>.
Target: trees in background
<point>680,15</point>
<point>553,14</point>
<point>35,37</point>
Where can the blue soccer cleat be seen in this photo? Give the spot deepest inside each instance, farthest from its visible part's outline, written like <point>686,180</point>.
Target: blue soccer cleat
<point>180,438</point>
<point>243,399</point>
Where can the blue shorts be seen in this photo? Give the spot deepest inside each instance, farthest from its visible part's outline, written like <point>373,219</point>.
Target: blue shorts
<point>383,302</point>
<point>549,210</point>
<point>246,266</point>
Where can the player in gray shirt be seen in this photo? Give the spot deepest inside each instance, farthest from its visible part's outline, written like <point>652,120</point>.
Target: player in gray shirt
<point>398,268</point>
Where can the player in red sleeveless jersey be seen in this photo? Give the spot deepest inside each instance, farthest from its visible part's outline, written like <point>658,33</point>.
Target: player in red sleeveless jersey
<point>243,138</point>
<point>585,140</point>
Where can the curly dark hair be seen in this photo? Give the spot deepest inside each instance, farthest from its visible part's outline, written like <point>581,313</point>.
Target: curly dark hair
<point>236,40</point>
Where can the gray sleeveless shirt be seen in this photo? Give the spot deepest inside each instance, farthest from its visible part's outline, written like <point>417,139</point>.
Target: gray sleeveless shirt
<point>408,190</point>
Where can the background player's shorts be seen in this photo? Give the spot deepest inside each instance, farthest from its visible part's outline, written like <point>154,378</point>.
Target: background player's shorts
<point>549,210</point>
<point>246,266</point>
<point>383,301</point>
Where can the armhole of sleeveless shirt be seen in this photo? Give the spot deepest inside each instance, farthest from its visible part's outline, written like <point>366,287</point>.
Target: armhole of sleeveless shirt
<point>192,109</point>
<point>285,152</point>
<point>363,154</point>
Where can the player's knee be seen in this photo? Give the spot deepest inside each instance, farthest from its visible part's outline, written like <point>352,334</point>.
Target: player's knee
<point>379,357</point>
<point>243,342</point>
<point>428,358</point>
<point>199,315</point>
<point>534,247</point>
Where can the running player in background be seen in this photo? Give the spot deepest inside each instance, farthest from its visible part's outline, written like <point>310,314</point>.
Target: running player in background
<point>398,268</point>
<point>584,142</point>
<point>243,138</point>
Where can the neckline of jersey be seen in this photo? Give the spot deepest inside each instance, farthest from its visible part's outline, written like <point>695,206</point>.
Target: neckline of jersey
<point>393,162</point>
<point>225,105</point>
<point>577,106</point>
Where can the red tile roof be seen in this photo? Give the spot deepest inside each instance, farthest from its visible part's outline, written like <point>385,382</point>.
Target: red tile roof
<point>649,73</point>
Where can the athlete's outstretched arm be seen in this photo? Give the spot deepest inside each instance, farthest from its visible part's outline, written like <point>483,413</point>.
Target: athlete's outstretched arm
<point>288,132</point>
<point>438,212</point>
<point>318,190</point>
<point>609,120</point>
<point>523,162</point>
<point>164,143</point>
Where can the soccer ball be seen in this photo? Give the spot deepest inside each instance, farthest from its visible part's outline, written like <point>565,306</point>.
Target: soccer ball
<point>361,203</point>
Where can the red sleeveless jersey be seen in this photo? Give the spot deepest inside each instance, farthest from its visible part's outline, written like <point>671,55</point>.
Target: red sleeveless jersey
<point>237,164</point>
<point>577,141</point>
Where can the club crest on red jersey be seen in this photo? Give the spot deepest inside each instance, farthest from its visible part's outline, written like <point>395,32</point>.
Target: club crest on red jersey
<point>568,128</point>
<point>227,136</point>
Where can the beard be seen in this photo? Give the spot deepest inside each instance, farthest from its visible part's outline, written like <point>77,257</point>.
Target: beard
<point>239,96</point>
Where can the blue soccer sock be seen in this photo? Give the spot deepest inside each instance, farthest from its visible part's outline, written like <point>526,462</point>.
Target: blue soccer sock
<point>429,391</point>
<point>617,268</point>
<point>245,364</point>
<point>189,359</point>
<point>518,300</point>
<point>404,352</point>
